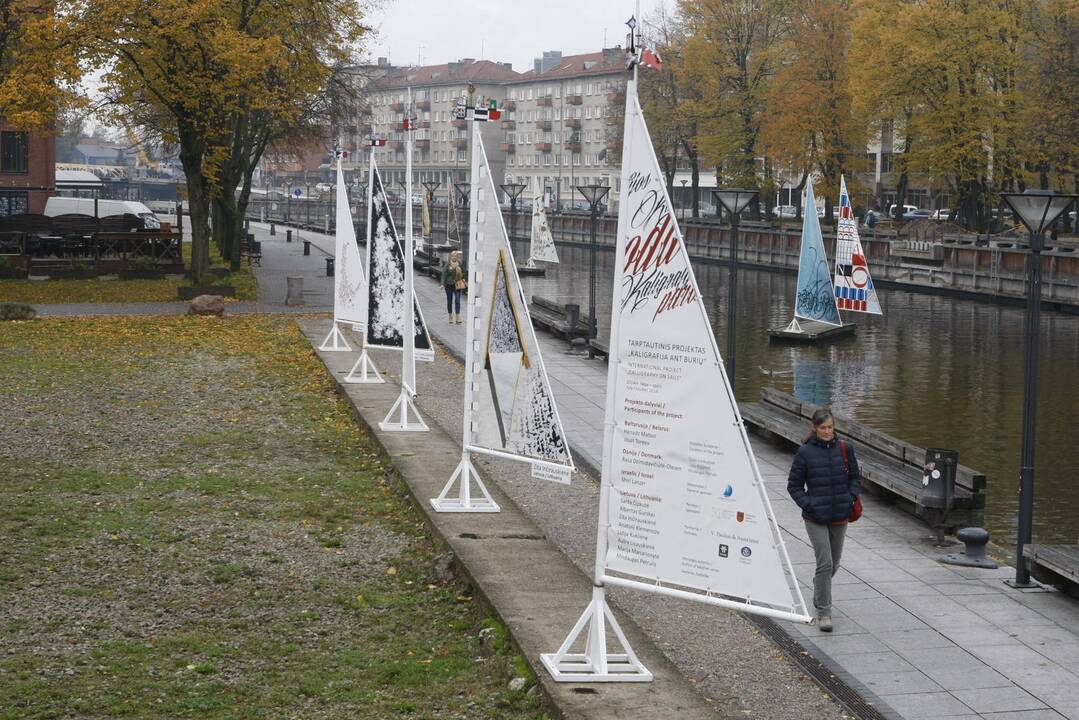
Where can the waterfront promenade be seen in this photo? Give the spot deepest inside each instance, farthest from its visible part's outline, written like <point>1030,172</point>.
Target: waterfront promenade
<point>916,639</point>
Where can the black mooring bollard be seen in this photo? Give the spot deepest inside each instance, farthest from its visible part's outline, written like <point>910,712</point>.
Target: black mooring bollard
<point>329,267</point>
<point>273,229</point>
<point>288,235</point>
<point>306,247</point>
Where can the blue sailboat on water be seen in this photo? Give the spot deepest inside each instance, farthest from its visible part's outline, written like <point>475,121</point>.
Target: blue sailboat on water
<point>814,299</point>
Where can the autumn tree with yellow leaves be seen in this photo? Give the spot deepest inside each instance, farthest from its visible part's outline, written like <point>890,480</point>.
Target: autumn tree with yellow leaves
<point>38,64</point>
<point>218,78</point>
<point>809,123</point>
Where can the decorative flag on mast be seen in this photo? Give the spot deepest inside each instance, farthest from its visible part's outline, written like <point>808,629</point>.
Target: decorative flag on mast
<point>509,409</point>
<point>854,289</point>
<point>349,283</point>
<point>684,511</point>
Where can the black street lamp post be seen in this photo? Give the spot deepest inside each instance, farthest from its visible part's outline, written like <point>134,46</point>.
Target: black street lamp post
<point>288,200</point>
<point>1037,209</point>
<point>734,201</point>
<point>513,191</point>
<point>683,199</point>
<point>594,194</point>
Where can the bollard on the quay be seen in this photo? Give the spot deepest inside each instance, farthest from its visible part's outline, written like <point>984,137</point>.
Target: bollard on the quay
<point>306,247</point>
<point>273,229</point>
<point>288,235</point>
<point>329,267</point>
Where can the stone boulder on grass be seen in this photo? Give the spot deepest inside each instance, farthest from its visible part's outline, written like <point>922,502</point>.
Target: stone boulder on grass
<point>207,305</point>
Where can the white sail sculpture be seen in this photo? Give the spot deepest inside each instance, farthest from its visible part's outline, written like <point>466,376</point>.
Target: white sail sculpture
<point>395,318</point>
<point>509,409</point>
<point>854,289</point>
<point>683,509</point>
<point>349,283</point>
<point>541,246</point>
<point>814,298</point>
<point>364,370</point>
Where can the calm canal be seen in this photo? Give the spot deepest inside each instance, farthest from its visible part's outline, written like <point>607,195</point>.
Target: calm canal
<point>934,371</point>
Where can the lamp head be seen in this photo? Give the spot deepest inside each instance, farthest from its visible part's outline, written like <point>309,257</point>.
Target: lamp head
<point>1038,209</point>
<point>734,200</point>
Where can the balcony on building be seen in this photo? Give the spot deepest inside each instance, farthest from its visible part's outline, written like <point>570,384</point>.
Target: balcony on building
<point>460,124</point>
<point>573,146</point>
<point>574,123</point>
<point>543,147</point>
<point>459,143</point>
<point>397,144</point>
<point>545,101</point>
<point>423,124</point>
<point>423,144</point>
<point>508,148</point>
<point>574,99</point>
<point>616,95</point>
<point>397,107</point>
<point>509,105</point>
<point>509,124</point>
<point>423,105</point>
<point>543,125</point>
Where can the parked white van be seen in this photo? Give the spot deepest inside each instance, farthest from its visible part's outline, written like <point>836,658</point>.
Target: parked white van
<point>85,206</point>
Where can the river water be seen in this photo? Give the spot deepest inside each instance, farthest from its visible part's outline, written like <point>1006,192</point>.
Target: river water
<point>934,371</point>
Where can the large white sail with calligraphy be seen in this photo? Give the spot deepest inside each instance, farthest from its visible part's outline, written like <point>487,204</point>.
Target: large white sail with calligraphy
<point>542,244</point>
<point>349,283</point>
<point>687,512</point>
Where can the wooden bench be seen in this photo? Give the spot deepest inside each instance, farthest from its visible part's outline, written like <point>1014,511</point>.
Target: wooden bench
<point>890,467</point>
<point>1055,565</point>
<point>596,347</point>
<point>564,321</point>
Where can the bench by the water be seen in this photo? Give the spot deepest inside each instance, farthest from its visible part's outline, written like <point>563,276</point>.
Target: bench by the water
<point>890,467</point>
<point>1055,564</point>
<point>564,321</point>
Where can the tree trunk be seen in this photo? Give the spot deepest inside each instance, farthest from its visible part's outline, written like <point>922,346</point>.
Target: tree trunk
<point>198,200</point>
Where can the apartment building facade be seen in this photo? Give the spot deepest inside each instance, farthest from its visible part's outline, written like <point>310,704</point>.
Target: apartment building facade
<point>555,131</point>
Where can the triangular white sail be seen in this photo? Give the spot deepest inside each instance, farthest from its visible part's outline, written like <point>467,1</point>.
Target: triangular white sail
<point>509,409</point>
<point>349,283</point>
<point>386,280</point>
<point>684,511</point>
<point>814,299</point>
<point>542,245</point>
<point>364,372</point>
<point>854,289</point>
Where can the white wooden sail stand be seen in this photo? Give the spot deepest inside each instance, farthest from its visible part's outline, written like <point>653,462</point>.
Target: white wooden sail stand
<point>364,371</point>
<point>405,407</point>
<point>335,341</point>
<point>795,326</point>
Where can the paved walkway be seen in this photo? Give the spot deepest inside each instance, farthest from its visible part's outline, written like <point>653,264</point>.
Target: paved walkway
<point>916,638</point>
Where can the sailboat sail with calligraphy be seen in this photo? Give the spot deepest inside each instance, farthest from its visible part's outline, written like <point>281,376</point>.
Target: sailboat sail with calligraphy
<point>509,407</point>
<point>542,244</point>
<point>816,312</point>
<point>854,289</point>
<point>683,510</point>
<point>349,282</point>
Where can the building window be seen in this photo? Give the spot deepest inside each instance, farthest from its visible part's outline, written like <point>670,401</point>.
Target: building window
<point>885,162</point>
<point>14,152</point>
<point>14,203</point>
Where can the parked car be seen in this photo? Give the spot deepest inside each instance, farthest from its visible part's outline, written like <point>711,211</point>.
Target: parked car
<point>941,214</point>
<point>323,187</point>
<point>906,209</point>
<point>784,211</point>
<point>917,214</point>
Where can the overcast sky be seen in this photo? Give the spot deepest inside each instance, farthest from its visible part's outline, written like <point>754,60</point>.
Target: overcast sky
<point>516,31</point>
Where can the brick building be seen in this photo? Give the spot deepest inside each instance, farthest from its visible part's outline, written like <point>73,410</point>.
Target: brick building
<point>27,170</point>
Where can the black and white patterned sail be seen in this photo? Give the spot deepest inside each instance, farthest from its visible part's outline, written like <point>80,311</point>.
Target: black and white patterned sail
<point>386,296</point>
<point>512,407</point>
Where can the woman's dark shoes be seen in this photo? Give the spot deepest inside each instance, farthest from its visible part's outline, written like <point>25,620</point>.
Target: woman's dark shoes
<point>824,622</point>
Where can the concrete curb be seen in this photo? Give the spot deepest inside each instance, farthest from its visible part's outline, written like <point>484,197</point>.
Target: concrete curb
<point>533,588</point>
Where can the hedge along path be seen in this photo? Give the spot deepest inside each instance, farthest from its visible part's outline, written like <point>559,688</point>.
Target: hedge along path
<point>194,526</point>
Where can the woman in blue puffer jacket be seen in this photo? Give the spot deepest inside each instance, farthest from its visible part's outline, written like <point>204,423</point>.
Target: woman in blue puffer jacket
<point>824,483</point>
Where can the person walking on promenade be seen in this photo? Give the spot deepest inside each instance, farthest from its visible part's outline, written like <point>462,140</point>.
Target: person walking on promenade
<point>823,481</point>
<point>453,282</point>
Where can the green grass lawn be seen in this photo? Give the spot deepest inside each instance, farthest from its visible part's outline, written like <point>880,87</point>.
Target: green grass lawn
<point>121,291</point>
<point>195,527</point>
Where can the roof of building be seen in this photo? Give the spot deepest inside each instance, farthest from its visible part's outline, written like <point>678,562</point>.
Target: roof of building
<point>466,70</point>
<point>93,150</point>
<point>604,62</point>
